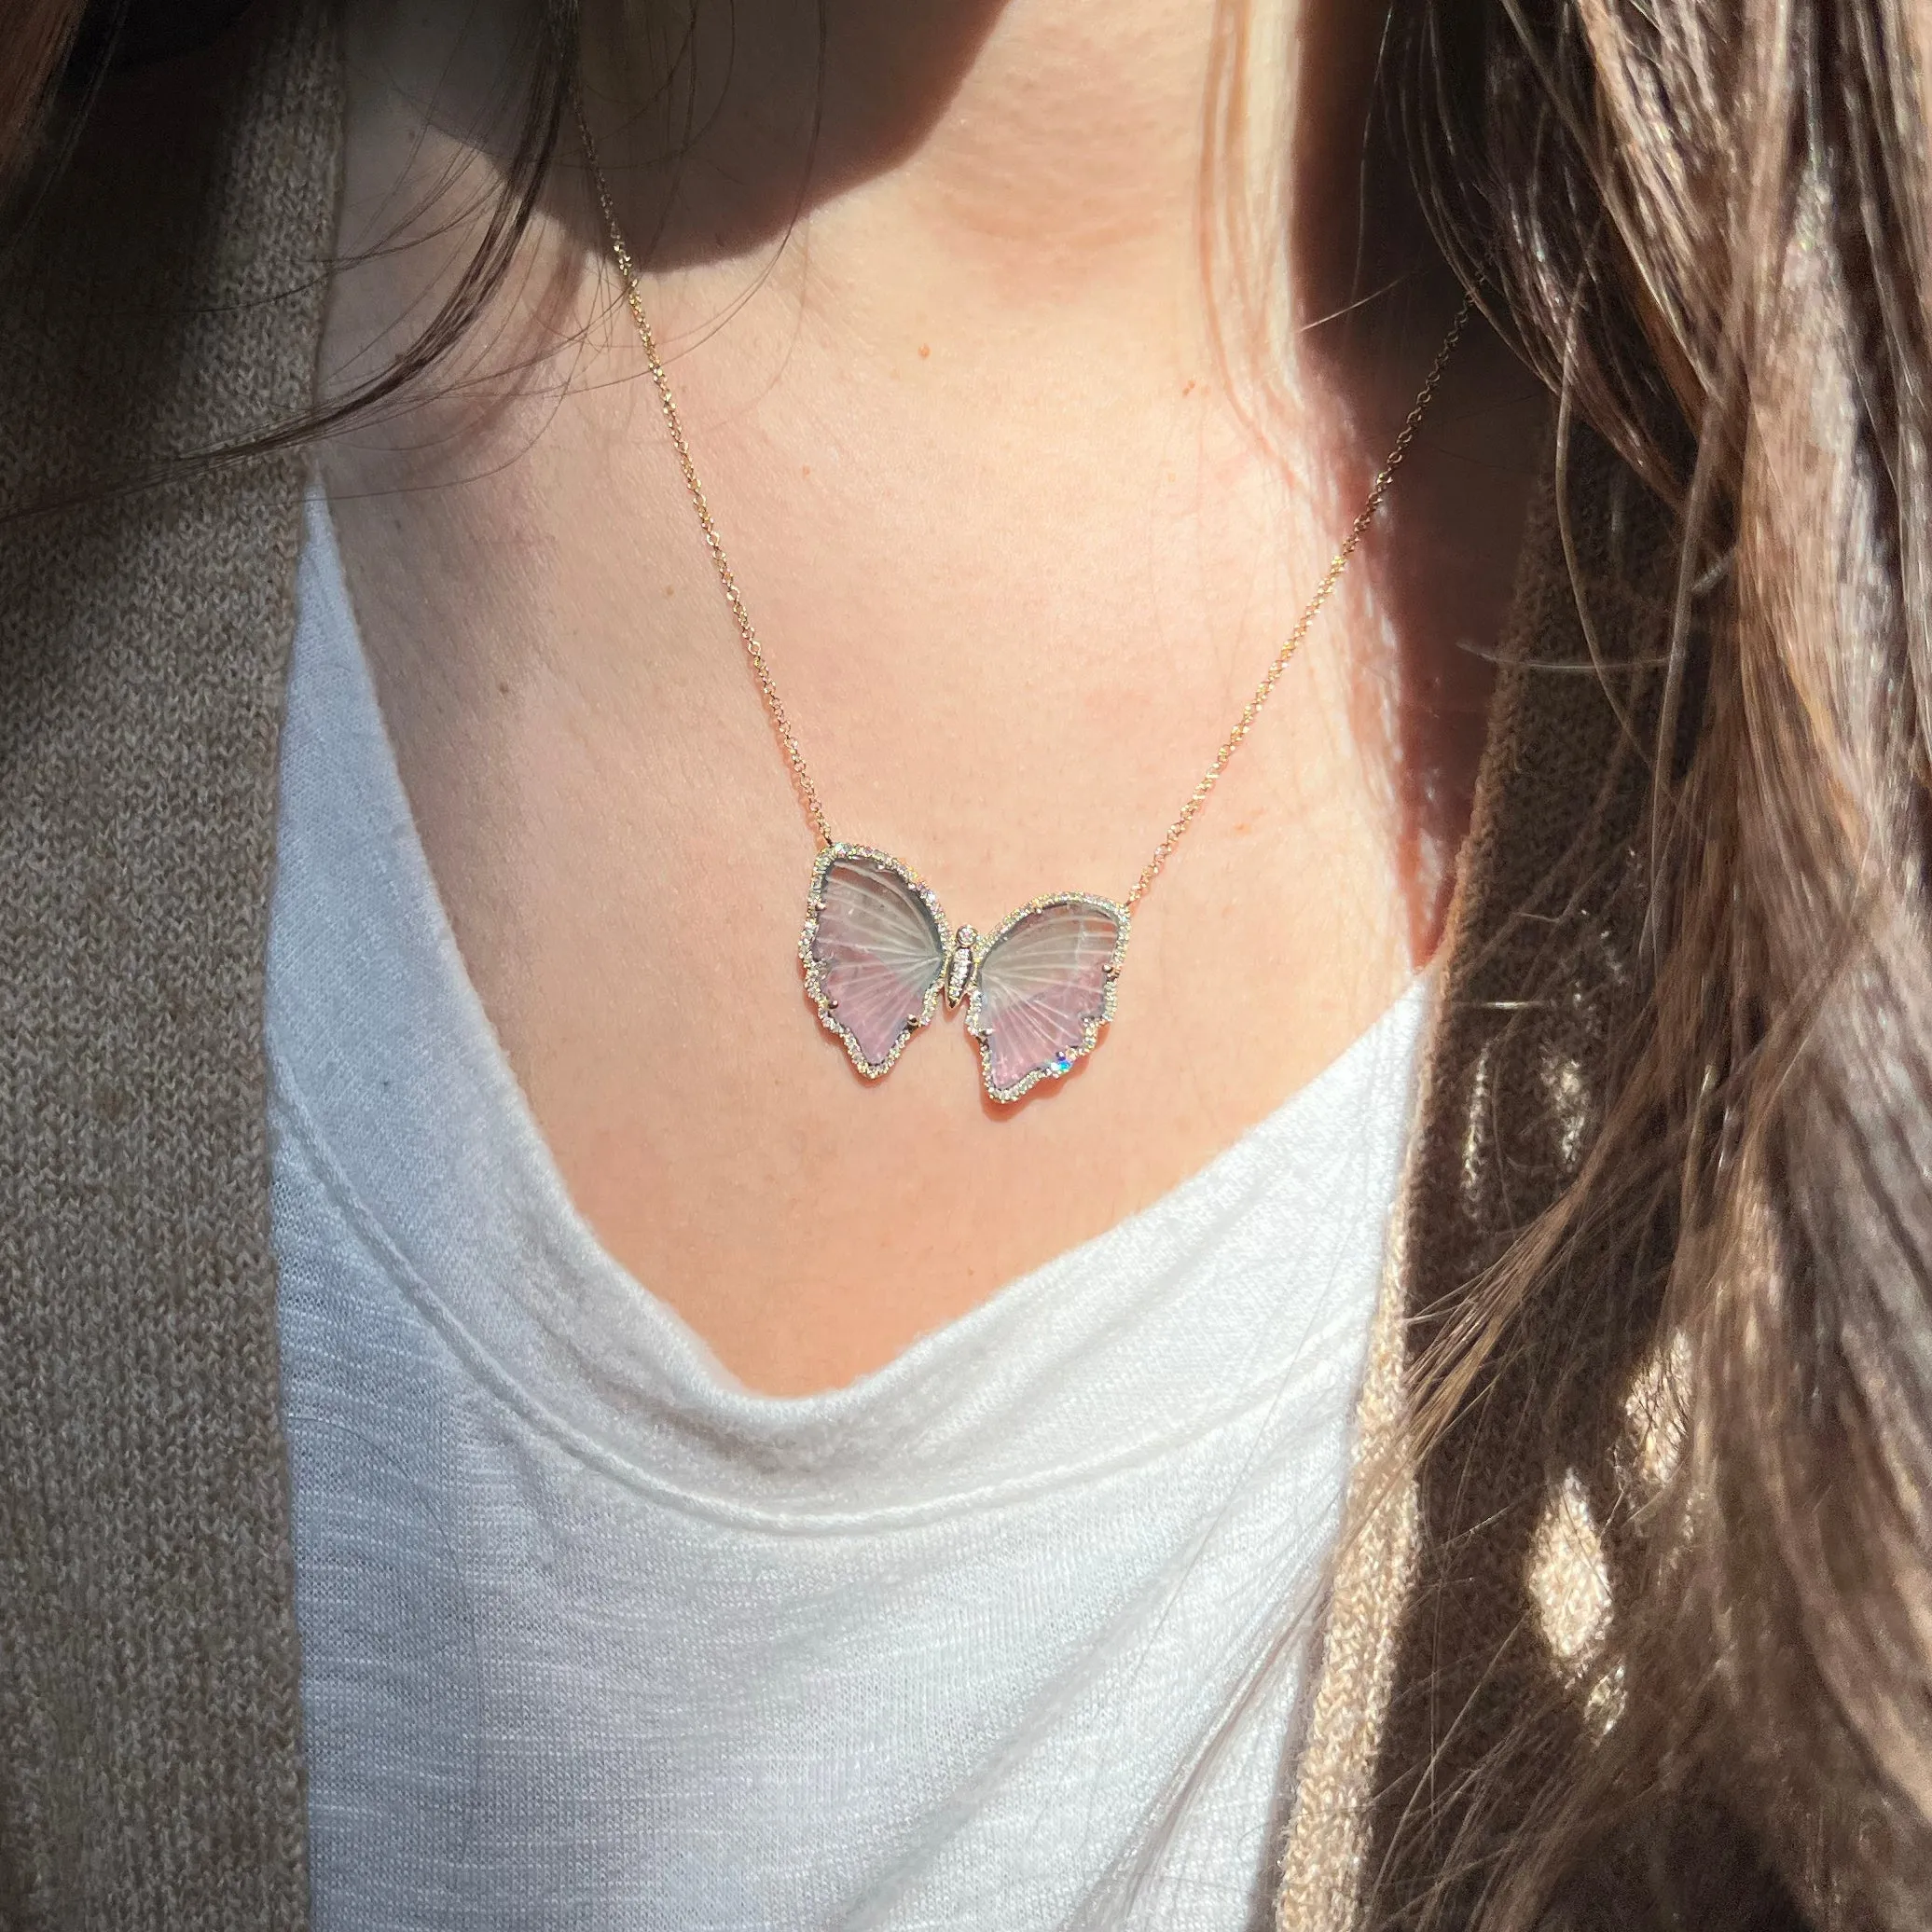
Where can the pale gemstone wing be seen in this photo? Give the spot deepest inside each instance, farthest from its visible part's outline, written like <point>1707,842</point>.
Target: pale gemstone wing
<point>875,953</point>
<point>1044,989</point>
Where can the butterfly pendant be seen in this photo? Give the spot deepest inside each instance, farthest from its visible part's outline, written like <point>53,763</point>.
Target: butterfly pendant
<point>878,956</point>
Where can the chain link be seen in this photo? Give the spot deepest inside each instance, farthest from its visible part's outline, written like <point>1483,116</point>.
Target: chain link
<point>747,630</point>
<point>1385,476</point>
<point>755,650</point>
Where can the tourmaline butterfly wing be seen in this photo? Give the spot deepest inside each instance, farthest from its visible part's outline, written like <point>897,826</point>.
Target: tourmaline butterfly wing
<point>1042,989</point>
<point>874,949</point>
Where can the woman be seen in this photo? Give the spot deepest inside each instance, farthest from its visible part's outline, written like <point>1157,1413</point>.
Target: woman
<point>405,953</point>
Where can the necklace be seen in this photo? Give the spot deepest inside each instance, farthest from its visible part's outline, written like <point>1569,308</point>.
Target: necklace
<point>877,951</point>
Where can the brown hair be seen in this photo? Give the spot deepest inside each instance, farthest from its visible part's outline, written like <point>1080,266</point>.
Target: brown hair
<point>37,40</point>
<point>1710,221</point>
<point>1706,224</point>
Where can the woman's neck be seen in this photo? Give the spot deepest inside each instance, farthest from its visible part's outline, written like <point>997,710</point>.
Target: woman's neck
<point>948,368</point>
<point>991,171</point>
<point>1036,148</point>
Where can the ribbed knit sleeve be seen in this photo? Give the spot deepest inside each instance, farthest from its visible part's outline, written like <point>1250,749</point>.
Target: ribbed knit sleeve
<point>167,300</point>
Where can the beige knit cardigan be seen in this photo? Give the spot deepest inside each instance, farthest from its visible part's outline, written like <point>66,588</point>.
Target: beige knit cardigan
<point>169,300</point>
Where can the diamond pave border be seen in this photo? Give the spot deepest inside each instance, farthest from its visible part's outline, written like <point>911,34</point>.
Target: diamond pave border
<point>830,855</point>
<point>1090,1031</point>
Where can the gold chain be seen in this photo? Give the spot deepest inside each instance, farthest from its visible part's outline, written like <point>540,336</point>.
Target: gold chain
<point>755,650</point>
<point>1330,578</point>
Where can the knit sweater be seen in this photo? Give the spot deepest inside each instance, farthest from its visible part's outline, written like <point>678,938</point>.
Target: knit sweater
<point>167,300</point>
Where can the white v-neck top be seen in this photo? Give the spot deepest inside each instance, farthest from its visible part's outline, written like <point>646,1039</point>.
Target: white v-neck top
<point>1009,1633</point>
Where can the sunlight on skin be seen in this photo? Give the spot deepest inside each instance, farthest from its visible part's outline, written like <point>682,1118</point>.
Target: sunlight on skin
<point>1017,551</point>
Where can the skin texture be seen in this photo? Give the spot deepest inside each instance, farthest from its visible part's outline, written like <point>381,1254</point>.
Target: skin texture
<point>1024,476</point>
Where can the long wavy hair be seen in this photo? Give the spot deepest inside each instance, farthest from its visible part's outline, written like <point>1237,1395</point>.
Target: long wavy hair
<point>1706,225</point>
<point>1710,223</point>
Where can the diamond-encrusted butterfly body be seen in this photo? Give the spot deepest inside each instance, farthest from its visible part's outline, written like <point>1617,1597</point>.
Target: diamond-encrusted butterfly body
<point>879,957</point>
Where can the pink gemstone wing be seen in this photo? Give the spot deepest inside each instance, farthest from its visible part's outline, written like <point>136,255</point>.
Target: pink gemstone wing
<point>1043,990</point>
<point>875,952</point>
